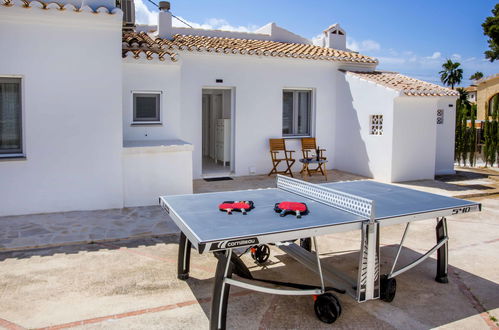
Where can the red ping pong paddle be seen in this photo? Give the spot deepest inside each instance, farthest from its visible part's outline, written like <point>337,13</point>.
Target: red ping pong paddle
<point>291,207</point>
<point>242,206</point>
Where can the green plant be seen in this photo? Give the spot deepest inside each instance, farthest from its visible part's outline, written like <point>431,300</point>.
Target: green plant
<point>458,133</point>
<point>472,137</point>
<point>451,74</point>
<point>491,137</point>
<point>476,76</point>
<point>464,138</point>
<point>491,30</point>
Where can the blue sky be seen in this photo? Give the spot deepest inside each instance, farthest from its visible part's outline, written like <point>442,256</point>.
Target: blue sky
<point>413,38</point>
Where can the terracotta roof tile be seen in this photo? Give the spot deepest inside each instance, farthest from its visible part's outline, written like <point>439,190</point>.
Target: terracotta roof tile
<point>133,41</point>
<point>409,86</point>
<point>54,5</point>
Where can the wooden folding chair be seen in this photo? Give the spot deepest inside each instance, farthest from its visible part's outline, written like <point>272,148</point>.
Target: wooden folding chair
<point>309,150</point>
<point>277,151</point>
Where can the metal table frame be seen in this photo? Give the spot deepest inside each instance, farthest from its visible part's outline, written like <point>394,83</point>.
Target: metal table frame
<point>367,284</point>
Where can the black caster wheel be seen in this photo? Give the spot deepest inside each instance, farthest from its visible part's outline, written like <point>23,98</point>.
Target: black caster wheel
<point>388,287</point>
<point>260,253</point>
<point>327,308</point>
<point>306,243</point>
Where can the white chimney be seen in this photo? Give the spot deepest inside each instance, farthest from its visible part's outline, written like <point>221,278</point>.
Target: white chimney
<point>165,30</point>
<point>128,8</point>
<point>335,37</point>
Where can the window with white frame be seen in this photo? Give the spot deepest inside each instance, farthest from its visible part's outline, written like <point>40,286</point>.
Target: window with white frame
<point>146,107</point>
<point>10,117</point>
<point>296,112</point>
<point>440,116</point>
<point>376,125</point>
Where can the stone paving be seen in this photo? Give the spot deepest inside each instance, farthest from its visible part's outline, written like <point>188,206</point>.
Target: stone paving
<point>43,230</point>
<point>132,284</point>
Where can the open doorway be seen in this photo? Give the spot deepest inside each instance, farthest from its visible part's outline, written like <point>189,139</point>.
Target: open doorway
<point>217,132</point>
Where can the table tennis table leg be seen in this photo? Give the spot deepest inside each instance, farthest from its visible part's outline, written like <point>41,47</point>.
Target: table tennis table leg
<point>442,252</point>
<point>220,297</point>
<point>184,257</point>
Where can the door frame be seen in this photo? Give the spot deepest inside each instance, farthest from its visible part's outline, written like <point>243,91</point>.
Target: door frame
<point>232,125</point>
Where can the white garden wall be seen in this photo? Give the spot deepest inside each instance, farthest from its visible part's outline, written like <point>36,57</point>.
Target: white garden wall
<point>70,67</point>
<point>156,169</point>
<point>444,161</point>
<point>414,138</point>
<point>356,150</point>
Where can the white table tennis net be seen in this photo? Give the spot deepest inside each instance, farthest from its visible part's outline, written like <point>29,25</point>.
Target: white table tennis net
<point>335,198</point>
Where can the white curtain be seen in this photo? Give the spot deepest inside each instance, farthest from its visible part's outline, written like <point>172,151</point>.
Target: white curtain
<point>10,115</point>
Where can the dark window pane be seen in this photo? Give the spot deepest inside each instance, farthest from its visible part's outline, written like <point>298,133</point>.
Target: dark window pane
<point>303,112</point>
<point>287,113</point>
<point>296,116</point>
<point>10,116</point>
<point>146,107</point>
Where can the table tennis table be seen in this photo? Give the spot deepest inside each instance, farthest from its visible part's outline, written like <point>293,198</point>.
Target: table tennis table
<point>363,205</point>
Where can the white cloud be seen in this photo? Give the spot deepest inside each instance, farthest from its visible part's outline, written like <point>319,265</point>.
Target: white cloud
<point>434,56</point>
<point>215,24</point>
<point>317,40</point>
<point>363,46</point>
<point>391,60</point>
<point>143,15</point>
<point>427,67</point>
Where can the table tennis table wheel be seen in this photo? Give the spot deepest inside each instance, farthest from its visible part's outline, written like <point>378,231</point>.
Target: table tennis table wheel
<point>327,307</point>
<point>388,287</point>
<point>260,253</point>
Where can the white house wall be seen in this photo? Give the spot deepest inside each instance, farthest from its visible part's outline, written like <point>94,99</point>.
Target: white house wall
<point>444,162</point>
<point>162,77</point>
<point>414,138</point>
<point>71,81</point>
<point>257,85</point>
<point>356,150</point>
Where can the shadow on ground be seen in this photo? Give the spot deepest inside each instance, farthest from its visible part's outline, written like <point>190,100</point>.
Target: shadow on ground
<point>129,276</point>
<point>90,247</point>
<point>420,301</point>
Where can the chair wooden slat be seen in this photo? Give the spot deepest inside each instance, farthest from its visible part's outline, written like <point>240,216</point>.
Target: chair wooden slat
<point>279,153</point>
<point>308,146</point>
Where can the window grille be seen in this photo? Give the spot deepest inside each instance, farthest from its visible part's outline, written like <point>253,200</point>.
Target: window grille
<point>440,116</point>
<point>376,127</point>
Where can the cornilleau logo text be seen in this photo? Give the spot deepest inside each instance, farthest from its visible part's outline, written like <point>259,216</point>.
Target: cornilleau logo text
<point>233,244</point>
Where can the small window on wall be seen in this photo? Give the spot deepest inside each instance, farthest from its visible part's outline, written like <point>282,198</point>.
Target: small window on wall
<point>296,112</point>
<point>440,116</point>
<point>10,117</point>
<point>376,125</point>
<point>146,108</point>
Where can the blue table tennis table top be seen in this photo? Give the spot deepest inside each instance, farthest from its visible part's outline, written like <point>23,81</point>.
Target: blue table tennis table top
<point>200,219</point>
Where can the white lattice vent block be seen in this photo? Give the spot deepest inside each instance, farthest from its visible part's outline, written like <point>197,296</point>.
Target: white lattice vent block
<point>376,127</point>
<point>440,116</point>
